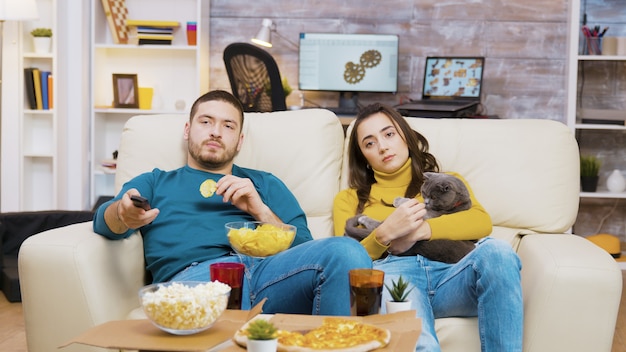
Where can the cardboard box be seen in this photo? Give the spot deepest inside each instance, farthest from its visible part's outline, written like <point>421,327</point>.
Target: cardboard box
<point>142,335</point>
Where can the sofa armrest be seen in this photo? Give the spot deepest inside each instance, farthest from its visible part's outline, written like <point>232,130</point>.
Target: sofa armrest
<point>73,279</point>
<point>572,290</point>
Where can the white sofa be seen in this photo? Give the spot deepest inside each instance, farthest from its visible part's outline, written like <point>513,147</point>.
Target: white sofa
<point>524,172</point>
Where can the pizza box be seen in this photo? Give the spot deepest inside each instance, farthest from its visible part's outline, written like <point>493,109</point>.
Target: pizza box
<point>140,334</point>
<point>405,328</point>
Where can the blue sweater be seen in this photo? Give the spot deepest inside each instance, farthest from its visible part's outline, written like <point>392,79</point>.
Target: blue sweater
<point>190,227</point>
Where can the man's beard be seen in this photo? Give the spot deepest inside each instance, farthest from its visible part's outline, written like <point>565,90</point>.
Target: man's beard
<point>211,161</point>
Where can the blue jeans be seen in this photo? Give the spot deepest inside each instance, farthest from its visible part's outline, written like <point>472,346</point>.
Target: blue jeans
<point>311,278</point>
<point>485,283</point>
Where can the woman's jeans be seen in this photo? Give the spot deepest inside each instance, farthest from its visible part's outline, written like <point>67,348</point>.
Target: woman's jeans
<point>485,283</point>
<point>311,278</point>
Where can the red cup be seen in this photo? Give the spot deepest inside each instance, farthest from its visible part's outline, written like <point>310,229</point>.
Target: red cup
<point>230,274</point>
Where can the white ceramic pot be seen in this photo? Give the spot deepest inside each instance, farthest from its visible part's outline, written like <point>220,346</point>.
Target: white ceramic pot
<point>262,345</point>
<point>393,307</point>
<point>42,45</point>
<point>616,182</point>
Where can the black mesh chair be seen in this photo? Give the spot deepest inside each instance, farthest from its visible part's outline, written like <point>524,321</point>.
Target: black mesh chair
<point>254,78</point>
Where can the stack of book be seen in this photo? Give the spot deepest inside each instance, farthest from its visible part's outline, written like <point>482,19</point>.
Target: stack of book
<point>39,92</point>
<point>148,32</point>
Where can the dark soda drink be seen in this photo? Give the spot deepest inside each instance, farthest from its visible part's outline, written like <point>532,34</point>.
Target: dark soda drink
<point>365,300</point>
<point>234,300</point>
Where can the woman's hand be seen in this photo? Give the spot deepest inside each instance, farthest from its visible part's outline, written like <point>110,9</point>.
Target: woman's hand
<point>403,224</point>
<point>405,243</point>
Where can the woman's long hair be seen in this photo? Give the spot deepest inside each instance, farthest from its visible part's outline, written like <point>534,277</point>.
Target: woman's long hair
<point>361,176</point>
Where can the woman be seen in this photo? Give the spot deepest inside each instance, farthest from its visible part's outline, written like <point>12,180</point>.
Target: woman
<point>388,160</point>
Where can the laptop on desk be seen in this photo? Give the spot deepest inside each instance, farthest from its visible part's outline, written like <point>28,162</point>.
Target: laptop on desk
<point>451,87</point>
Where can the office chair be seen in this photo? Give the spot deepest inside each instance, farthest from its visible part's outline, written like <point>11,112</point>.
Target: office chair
<point>254,78</point>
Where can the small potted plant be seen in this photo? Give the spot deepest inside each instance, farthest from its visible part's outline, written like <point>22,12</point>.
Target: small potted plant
<point>589,170</point>
<point>399,291</point>
<point>42,39</point>
<point>262,336</point>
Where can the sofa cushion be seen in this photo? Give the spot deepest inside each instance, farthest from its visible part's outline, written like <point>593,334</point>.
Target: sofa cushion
<point>310,169</point>
<point>518,188</point>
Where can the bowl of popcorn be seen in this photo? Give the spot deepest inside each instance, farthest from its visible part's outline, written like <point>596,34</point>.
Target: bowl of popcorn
<point>259,239</point>
<point>184,307</point>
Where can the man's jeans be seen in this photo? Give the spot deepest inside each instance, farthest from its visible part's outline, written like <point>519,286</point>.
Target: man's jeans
<point>311,278</point>
<point>485,283</point>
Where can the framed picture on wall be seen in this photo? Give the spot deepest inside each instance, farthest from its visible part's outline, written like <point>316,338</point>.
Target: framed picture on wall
<point>125,91</point>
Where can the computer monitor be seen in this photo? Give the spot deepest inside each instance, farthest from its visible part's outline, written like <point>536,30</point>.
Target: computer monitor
<point>348,64</point>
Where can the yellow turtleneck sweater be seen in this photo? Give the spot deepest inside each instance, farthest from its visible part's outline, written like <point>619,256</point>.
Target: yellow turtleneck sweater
<point>471,224</point>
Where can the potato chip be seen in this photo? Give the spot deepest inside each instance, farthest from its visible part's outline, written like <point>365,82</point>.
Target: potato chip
<point>208,188</point>
<point>262,241</point>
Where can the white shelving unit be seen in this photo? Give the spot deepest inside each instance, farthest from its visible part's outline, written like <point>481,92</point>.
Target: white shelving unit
<point>38,151</point>
<point>177,73</point>
<point>573,104</point>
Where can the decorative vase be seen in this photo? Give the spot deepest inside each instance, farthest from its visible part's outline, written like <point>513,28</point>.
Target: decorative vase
<point>42,45</point>
<point>616,182</point>
<point>262,345</point>
<point>393,307</point>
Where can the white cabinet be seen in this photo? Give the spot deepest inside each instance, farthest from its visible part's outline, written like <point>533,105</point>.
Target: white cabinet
<point>29,136</point>
<point>585,73</point>
<point>178,73</point>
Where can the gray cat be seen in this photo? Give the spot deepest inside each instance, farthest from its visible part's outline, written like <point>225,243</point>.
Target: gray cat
<point>443,194</point>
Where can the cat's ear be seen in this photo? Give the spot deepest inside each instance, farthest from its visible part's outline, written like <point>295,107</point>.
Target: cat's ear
<point>427,175</point>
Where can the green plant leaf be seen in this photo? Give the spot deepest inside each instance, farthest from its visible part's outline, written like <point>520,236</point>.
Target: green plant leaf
<point>261,329</point>
<point>398,291</point>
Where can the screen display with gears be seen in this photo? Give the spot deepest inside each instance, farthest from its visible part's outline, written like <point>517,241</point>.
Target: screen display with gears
<point>348,62</point>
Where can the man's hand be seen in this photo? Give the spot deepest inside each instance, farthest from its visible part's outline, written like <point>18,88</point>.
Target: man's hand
<point>123,214</point>
<point>242,194</point>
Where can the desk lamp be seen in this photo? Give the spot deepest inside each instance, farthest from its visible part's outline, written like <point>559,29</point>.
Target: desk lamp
<point>264,37</point>
<point>13,10</point>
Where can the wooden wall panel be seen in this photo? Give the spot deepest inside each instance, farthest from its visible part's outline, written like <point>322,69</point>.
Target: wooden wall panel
<point>524,44</point>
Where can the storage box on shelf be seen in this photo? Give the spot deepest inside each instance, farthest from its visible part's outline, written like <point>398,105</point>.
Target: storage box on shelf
<point>177,72</point>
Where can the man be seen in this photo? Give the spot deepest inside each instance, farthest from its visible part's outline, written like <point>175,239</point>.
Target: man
<point>184,230</point>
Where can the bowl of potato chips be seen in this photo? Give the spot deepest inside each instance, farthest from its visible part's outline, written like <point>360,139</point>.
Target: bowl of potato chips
<point>184,307</point>
<point>259,239</point>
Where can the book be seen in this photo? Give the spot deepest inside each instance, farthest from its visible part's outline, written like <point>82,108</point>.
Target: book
<point>116,13</point>
<point>50,91</point>
<point>29,86</point>
<point>37,84</point>
<point>156,36</point>
<point>44,89</point>
<point>145,29</point>
<point>151,23</point>
<point>154,42</point>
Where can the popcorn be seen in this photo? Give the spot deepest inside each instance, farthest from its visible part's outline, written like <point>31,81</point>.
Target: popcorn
<point>180,306</point>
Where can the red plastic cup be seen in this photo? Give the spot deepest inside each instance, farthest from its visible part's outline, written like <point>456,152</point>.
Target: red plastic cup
<point>232,275</point>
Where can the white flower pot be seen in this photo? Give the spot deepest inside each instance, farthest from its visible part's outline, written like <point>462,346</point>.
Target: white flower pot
<point>42,45</point>
<point>262,345</point>
<point>393,307</point>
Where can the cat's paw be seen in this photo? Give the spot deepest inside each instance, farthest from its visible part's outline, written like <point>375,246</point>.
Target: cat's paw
<point>399,201</point>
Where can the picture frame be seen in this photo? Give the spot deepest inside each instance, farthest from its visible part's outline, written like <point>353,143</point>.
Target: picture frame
<point>125,91</point>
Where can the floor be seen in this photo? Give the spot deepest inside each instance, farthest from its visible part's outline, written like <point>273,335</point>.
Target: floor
<point>13,337</point>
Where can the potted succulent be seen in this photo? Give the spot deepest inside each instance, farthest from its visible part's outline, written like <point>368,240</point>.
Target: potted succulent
<point>589,169</point>
<point>42,39</point>
<point>399,291</point>
<point>262,336</point>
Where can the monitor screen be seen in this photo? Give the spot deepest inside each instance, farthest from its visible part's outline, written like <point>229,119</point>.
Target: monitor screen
<point>348,62</point>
